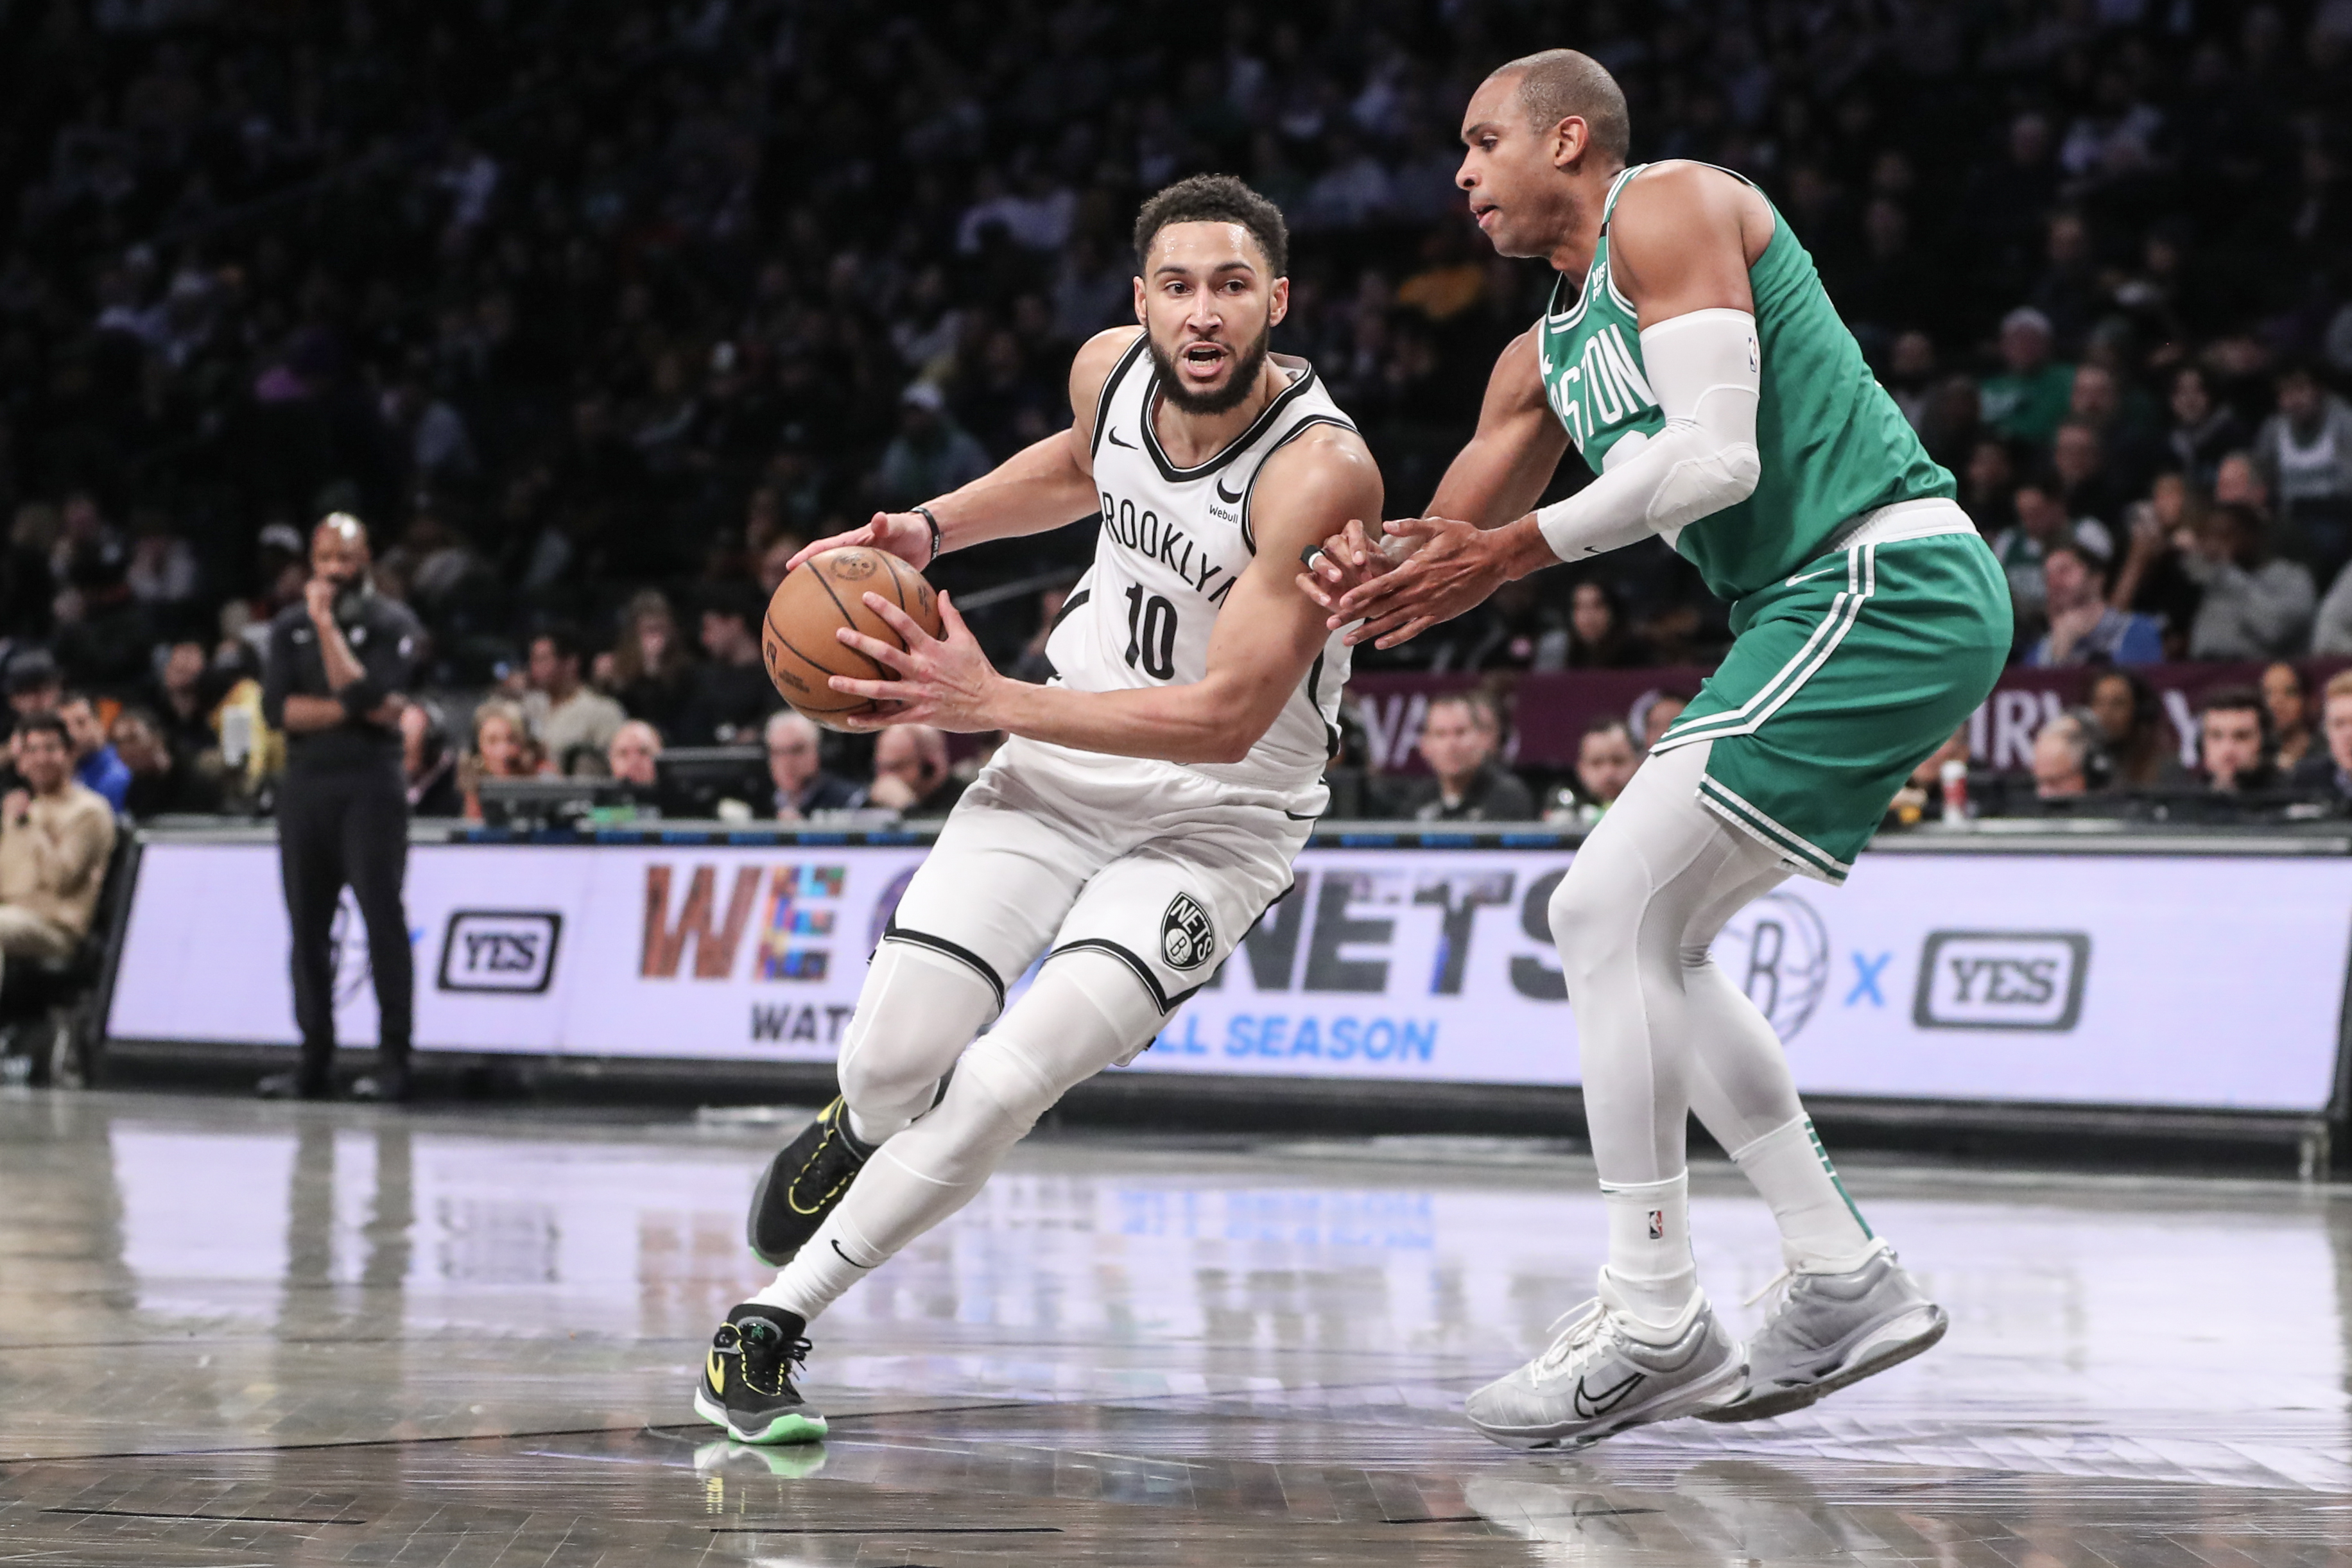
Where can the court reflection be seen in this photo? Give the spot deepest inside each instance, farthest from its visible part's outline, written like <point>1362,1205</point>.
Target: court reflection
<point>1259,1339</point>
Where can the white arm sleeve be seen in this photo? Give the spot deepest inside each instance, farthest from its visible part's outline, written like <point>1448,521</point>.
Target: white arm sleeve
<point>1705,368</point>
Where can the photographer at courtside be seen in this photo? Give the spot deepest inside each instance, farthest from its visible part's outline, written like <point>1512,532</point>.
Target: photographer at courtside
<point>338,663</point>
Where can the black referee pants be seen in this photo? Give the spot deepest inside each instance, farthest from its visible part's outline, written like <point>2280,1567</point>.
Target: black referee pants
<point>347,828</point>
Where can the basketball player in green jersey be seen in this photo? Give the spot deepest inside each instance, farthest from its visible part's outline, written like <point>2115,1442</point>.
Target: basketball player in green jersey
<point>1691,356</point>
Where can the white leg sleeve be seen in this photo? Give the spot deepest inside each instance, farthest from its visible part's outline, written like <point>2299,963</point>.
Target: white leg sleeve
<point>916,1013</point>
<point>1085,1011</point>
<point>1665,1032</point>
<point>1621,917</point>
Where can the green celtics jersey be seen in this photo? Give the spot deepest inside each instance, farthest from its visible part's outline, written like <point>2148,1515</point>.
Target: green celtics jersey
<point>1833,442</point>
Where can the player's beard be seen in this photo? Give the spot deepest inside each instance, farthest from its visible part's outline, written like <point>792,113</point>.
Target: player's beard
<point>1248,362</point>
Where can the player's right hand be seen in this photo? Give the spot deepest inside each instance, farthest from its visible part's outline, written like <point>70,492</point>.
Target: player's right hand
<point>903,533</point>
<point>1348,560</point>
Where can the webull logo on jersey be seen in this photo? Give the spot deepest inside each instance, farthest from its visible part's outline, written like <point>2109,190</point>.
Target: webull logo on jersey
<point>1150,536</point>
<point>2003,979</point>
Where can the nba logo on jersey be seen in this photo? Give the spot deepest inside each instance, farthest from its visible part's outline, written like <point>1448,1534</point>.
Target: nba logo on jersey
<point>1186,939</point>
<point>1657,1225</point>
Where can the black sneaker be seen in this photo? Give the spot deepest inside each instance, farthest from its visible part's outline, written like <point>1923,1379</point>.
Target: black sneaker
<point>804,1184</point>
<point>747,1380</point>
<point>292,1086</point>
<point>386,1085</point>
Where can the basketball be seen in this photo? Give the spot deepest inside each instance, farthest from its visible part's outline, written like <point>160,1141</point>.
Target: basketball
<point>816,599</point>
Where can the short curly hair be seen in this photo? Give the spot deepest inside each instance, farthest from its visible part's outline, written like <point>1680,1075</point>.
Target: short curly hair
<point>1215,199</point>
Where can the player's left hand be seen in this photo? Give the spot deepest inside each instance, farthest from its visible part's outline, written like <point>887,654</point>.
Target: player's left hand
<point>944,682</point>
<point>1453,567</point>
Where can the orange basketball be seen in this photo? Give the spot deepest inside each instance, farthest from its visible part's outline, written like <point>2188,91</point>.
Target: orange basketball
<point>822,594</point>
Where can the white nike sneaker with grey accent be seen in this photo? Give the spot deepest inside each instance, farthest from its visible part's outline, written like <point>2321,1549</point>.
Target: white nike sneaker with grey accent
<point>1607,1370</point>
<point>1830,1330</point>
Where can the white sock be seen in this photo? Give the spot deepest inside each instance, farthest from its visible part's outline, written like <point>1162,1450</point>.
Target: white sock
<point>1822,1232</point>
<point>1649,1246</point>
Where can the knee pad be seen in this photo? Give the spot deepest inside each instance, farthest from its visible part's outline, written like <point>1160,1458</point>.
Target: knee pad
<point>917,1010</point>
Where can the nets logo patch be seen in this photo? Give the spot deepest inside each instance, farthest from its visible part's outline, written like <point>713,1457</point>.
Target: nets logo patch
<point>501,950</point>
<point>1186,938</point>
<point>2003,979</point>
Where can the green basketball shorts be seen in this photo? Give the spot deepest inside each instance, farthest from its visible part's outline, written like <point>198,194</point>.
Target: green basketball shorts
<point>1845,676</point>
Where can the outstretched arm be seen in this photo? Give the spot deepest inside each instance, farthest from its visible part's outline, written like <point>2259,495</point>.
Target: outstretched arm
<point>1680,246</point>
<point>1049,483</point>
<point>1265,639</point>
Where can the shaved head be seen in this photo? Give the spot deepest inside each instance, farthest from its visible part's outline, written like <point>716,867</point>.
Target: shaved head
<point>1559,83</point>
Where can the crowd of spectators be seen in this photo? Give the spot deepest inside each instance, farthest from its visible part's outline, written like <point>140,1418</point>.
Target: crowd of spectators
<point>594,311</point>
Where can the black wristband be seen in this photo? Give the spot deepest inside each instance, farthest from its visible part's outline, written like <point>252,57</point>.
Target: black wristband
<point>934,522</point>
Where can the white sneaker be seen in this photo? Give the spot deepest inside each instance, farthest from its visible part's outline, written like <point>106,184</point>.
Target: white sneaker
<point>1830,1330</point>
<point>1607,1370</point>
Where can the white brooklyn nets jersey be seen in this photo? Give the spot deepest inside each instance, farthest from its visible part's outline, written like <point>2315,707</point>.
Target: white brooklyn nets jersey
<point>1173,542</point>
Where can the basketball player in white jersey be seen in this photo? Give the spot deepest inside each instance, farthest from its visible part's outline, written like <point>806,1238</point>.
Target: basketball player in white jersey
<point>1148,804</point>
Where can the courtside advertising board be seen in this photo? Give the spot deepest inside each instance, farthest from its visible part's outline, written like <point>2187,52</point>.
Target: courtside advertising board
<point>2121,979</point>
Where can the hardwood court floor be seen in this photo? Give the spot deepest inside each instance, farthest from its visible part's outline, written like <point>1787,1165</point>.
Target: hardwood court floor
<point>235,1333</point>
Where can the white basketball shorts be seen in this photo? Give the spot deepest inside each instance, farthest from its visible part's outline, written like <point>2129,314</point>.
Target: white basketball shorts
<point>1153,865</point>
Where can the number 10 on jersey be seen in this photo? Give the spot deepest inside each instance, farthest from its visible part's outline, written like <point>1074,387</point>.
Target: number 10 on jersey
<point>1150,634</point>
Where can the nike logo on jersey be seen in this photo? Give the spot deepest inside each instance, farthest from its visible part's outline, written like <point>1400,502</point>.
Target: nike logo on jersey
<point>1230,497</point>
<point>1115,440</point>
<point>1590,1404</point>
<point>1809,576</point>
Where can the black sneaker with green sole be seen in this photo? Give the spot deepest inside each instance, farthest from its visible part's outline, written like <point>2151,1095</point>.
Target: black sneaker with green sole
<point>802,1185</point>
<point>747,1379</point>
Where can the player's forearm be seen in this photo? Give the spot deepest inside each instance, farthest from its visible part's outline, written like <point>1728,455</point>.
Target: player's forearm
<point>1037,488</point>
<point>343,666</point>
<point>1199,723</point>
<point>1490,487</point>
<point>306,715</point>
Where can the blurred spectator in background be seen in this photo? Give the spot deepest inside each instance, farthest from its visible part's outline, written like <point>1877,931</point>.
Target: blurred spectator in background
<point>2043,523</point>
<point>2025,401</point>
<point>2139,740</point>
<point>2234,741</point>
<point>932,454</point>
<point>2327,771</point>
<point>2203,430</point>
<point>95,765</point>
<point>1597,634</point>
<point>571,723</point>
<point>730,697</point>
<point>181,712</point>
<point>427,764</point>
<point>1654,713</point>
<point>2303,453</point>
<point>2289,703</point>
<point>912,775</point>
<point>55,840</point>
<point>634,756</point>
<point>2253,606</point>
<point>162,782</point>
<point>1461,737</point>
<point>1606,755</point>
<point>34,684</point>
<point>2084,628</point>
<point>803,786</point>
<point>2070,757</point>
<point>502,750</point>
<point>651,671</point>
